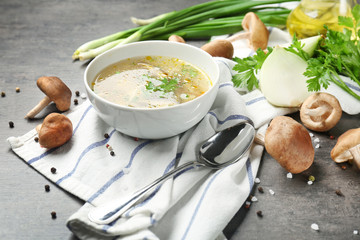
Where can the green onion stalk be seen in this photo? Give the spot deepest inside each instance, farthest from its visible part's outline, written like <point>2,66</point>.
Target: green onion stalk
<point>200,21</point>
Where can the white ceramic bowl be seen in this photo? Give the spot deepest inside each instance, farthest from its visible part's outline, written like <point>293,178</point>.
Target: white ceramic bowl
<point>154,123</point>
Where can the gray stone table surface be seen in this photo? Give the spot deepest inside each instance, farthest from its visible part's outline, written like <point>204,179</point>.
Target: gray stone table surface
<point>38,37</point>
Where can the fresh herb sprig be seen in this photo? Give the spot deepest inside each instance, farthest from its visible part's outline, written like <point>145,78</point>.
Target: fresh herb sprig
<point>339,54</point>
<point>248,68</point>
<point>167,85</point>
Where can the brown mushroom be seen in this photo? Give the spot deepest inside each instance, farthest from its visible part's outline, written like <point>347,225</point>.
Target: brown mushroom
<point>176,38</point>
<point>56,91</point>
<point>320,112</point>
<point>347,147</point>
<point>219,48</point>
<point>55,130</point>
<point>289,143</point>
<point>255,32</point>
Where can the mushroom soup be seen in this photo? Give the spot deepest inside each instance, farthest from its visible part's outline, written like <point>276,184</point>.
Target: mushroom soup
<point>151,82</point>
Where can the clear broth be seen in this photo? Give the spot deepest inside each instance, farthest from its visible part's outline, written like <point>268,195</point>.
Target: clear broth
<point>151,82</point>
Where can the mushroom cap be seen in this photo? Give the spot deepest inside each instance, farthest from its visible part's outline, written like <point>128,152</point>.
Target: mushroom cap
<point>55,130</point>
<point>290,144</point>
<point>320,112</point>
<point>219,48</point>
<point>348,140</point>
<point>259,34</point>
<point>56,90</point>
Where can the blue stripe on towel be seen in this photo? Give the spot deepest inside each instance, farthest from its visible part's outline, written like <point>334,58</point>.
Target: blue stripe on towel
<point>249,173</point>
<point>250,177</point>
<point>167,169</point>
<point>35,159</point>
<point>199,203</point>
<point>252,101</point>
<point>83,153</point>
<point>119,174</point>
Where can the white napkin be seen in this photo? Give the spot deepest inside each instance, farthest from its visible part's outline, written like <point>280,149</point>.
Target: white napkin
<point>196,204</point>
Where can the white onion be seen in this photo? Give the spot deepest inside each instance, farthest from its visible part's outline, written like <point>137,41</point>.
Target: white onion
<point>281,79</point>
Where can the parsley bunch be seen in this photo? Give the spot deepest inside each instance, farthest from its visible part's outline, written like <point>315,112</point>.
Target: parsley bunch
<point>339,54</point>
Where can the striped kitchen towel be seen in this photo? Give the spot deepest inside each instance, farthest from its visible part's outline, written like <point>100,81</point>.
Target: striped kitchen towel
<point>195,204</point>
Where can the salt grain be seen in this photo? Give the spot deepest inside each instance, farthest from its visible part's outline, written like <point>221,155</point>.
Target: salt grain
<point>311,134</point>
<point>316,140</point>
<point>83,96</point>
<point>356,232</point>
<point>257,180</point>
<point>271,192</point>
<point>254,199</point>
<point>310,182</point>
<point>315,227</point>
<point>317,146</point>
<point>289,175</point>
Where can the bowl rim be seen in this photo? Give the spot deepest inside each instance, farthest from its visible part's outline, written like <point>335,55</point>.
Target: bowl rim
<point>215,81</point>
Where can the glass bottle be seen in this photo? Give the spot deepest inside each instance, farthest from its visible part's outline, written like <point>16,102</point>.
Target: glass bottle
<point>310,16</point>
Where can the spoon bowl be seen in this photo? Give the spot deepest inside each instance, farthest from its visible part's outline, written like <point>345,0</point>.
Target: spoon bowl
<point>222,149</point>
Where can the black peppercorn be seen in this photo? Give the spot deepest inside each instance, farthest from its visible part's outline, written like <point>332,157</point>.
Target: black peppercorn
<point>77,93</point>
<point>3,94</point>
<point>106,135</point>
<point>53,214</point>
<point>47,188</point>
<point>36,139</point>
<point>260,189</point>
<point>76,102</point>
<point>11,124</point>
<point>339,193</point>
<point>112,153</point>
<point>53,170</point>
<point>259,213</point>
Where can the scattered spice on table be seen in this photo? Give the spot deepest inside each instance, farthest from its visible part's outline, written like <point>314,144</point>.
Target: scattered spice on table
<point>11,124</point>
<point>332,137</point>
<point>47,188</point>
<point>136,139</point>
<point>289,175</point>
<point>77,93</point>
<point>259,213</point>
<point>109,147</point>
<point>257,180</point>
<point>53,214</point>
<point>36,139</point>
<point>339,193</point>
<point>271,192</point>
<point>112,153</point>
<point>17,89</point>
<point>76,102</point>
<point>343,167</point>
<point>260,189</point>
<point>356,232</point>
<point>106,135</point>
<point>247,204</point>
<point>254,199</point>
<point>311,178</point>
<point>3,94</point>
<point>53,170</point>
<point>83,95</point>
<point>315,227</point>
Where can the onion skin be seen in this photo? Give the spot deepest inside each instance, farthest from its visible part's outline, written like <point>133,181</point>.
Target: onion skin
<point>281,79</point>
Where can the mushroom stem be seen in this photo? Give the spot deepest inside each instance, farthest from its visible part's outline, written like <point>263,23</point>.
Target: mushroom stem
<point>259,139</point>
<point>238,36</point>
<point>40,106</point>
<point>355,151</point>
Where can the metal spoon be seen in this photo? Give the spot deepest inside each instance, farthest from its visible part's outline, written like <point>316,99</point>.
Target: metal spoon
<point>222,149</point>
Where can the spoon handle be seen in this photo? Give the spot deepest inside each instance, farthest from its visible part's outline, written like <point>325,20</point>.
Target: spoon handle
<point>107,213</point>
